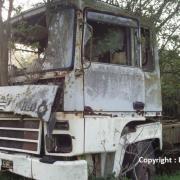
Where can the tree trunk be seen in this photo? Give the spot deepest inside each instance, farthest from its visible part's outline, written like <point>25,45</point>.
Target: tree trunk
<point>5,34</point>
<point>3,56</point>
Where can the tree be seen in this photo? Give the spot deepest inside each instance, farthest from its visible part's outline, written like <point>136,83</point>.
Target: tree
<point>170,78</point>
<point>163,15</point>
<point>5,31</point>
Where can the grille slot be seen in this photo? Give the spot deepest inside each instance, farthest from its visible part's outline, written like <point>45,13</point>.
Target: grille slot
<point>20,134</point>
<point>18,145</point>
<point>16,123</point>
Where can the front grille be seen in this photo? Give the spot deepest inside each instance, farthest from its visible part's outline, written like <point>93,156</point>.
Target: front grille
<point>20,134</point>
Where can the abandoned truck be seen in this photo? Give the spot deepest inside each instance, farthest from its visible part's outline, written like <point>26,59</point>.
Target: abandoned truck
<point>84,95</point>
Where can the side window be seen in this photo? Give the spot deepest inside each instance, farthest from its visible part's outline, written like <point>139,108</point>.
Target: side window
<point>147,50</point>
<point>110,44</point>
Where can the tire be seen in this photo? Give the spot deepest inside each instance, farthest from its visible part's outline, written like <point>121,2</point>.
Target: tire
<point>142,171</point>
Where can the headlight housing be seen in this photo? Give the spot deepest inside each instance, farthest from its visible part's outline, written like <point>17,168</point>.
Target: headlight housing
<point>59,143</point>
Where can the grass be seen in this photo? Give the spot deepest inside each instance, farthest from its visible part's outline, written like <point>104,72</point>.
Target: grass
<point>10,176</point>
<point>176,176</point>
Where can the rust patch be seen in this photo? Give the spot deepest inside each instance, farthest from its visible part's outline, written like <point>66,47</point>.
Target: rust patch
<point>89,111</point>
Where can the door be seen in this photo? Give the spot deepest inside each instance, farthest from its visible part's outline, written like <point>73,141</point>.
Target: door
<point>113,80</point>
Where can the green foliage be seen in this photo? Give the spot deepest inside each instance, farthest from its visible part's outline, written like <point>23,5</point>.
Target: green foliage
<point>18,10</point>
<point>170,81</point>
<point>109,41</point>
<point>167,177</point>
<point>27,34</point>
<point>164,17</point>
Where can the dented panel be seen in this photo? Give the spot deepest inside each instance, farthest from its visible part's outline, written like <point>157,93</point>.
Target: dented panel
<point>33,100</point>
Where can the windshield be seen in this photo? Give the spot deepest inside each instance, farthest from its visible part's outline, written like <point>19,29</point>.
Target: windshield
<point>110,39</point>
<point>38,47</point>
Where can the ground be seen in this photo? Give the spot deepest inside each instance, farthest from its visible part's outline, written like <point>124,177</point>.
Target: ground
<point>175,176</point>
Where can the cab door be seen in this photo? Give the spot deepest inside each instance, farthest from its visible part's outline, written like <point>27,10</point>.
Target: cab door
<point>113,80</point>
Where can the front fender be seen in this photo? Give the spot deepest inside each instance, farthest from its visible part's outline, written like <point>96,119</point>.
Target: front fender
<point>143,132</point>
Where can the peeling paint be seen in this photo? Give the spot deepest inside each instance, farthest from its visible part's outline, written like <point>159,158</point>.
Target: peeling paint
<point>32,100</point>
<point>60,32</point>
<point>113,88</point>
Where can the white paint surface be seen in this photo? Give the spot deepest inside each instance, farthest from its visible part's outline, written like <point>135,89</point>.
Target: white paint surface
<point>28,100</point>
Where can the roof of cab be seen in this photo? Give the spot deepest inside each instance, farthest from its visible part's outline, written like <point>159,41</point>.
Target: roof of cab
<point>78,4</point>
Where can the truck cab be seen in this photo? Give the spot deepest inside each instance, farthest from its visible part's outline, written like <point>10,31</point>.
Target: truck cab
<point>84,86</point>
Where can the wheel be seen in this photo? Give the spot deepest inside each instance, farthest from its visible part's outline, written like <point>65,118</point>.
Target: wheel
<point>140,170</point>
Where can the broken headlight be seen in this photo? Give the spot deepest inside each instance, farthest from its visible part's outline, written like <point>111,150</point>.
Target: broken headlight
<point>59,143</point>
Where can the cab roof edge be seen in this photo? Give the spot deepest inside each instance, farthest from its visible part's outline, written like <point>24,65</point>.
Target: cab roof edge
<point>81,4</point>
<point>29,13</point>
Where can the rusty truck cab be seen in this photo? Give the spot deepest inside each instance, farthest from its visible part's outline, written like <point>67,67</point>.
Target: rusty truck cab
<point>79,73</point>
<point>109,48</point>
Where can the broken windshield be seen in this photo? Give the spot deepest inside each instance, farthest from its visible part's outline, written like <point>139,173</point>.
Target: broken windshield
<point>110,39</point>
<point>40,47</point>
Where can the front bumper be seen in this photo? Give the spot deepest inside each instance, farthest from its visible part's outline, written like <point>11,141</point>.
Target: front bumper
<point>31,167</point>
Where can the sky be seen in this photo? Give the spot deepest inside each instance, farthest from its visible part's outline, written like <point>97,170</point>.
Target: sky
<point>25,4</point>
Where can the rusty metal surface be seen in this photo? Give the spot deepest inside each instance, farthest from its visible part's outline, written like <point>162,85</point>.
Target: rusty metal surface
<point>29,13</point>
<point>73,90</point>
<point>108,88</point>
<point>112,87</point>
<point>37,76</point>
<point>153,88</point>
<point>99,17</point>
<point>33,100</point>
<point>61,31</point>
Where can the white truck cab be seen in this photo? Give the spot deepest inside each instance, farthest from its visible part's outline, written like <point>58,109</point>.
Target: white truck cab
<point>84,88</point>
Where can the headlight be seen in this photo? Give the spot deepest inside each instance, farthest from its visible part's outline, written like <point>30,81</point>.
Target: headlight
<point>59,143</point>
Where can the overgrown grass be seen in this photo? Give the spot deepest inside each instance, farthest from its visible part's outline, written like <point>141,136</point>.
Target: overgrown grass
<point>9,176</point>
<point>176,176</point>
